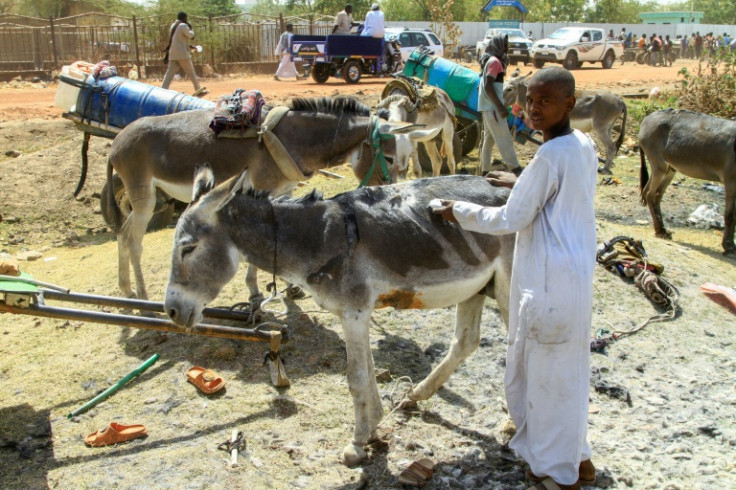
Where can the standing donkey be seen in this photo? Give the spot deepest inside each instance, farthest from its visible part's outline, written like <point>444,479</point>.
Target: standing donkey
<point>366,249</point>
<point>440,118</point>
<point>594,112</point>
<point>161,153</point>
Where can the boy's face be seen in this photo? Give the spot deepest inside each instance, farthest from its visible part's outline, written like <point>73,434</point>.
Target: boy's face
<point>548,107</point>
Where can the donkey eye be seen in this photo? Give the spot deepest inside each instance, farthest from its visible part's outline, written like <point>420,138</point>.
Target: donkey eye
<point>187,249</point>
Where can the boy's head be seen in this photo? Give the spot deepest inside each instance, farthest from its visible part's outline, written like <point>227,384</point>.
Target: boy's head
<point>550,98</point>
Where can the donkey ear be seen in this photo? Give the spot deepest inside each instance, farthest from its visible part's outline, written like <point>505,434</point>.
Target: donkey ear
<point>236,186</point>
<point>204,180</point>
<point>398,127</point>
<point>422,134</point>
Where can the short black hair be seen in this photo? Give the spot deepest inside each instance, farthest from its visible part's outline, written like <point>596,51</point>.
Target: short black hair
<point>181,16</point>
<point>558,76</point>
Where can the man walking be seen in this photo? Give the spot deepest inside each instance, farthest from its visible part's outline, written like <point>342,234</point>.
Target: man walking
<point>177,53</point>
<point>286,67</point>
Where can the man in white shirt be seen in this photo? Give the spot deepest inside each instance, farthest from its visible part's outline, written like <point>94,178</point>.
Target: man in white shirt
<point>374,22</point>
<point>178,52</point>
<point>344,21</point>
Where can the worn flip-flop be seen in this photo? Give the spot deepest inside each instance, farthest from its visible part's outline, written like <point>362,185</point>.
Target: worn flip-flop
<point>586,474</point>
<point>206,380</point>
<point>200,92</point>
<point>115,433</point>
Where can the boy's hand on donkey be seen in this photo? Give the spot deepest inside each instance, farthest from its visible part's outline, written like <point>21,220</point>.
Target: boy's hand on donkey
<point>445,210</point>
<point>501,179</point>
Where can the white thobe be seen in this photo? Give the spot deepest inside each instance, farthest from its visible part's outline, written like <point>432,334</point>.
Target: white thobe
<point>547,377</point>
<point>374,24</point>
<point>286,68</point>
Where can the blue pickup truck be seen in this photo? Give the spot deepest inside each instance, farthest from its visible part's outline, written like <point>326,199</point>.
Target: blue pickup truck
<point>346,56</point>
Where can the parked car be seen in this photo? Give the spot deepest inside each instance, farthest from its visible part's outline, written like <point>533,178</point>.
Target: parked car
<point>519,44</point>
<point>572,46</point>
<point>412,38</point>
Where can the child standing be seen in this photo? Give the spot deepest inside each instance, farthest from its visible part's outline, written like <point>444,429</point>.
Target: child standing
<point>550,208</point>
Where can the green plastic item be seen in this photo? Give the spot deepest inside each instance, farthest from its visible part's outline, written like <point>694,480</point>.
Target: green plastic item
<point>94,401</point>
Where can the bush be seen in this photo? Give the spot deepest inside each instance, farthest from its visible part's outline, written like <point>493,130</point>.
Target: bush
<point>639,109</point>
<point>712,88</point>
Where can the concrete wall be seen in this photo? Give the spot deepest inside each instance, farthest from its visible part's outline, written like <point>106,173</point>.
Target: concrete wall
<point>475,31</point>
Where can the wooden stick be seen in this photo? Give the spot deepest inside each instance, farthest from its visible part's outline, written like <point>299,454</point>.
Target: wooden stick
<point>234,451</point>
<point>330,174</point>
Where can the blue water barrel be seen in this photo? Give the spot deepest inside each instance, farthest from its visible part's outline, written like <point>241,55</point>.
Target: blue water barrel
<point>460,83</point>
<point>118,101</point>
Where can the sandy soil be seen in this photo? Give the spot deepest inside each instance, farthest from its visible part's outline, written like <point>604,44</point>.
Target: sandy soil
<point>676,430</point>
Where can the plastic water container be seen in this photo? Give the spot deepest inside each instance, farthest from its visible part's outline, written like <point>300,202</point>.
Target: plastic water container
<point>70,78</point>
<point>460,83</point>
<point>118,101</point>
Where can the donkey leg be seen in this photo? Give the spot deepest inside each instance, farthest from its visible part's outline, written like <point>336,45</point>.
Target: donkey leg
<point>447,135</point>
<point>657,186</point>
<point>729,217</point>
<point>130,247</point>
<point>465,342</point>
<point>604,136</point>
<point>251,282</point>
<point>415,165</point>
<point>361,381</point>
<point>434,157</point>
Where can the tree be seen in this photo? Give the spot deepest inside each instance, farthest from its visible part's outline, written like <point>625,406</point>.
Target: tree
<point>217,8</point>
<point>614,11</point>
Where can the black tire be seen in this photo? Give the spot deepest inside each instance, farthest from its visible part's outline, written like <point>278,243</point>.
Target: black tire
<point>320,72</point>
<point>641,58</point>
<point>608,60</point>
<point>351,72</point>
<point>579,65</point>
<point>468,133</point>
<point>571,60</point>
<point>426,163</point>
<point>162,215</point>
<point>538,63</point>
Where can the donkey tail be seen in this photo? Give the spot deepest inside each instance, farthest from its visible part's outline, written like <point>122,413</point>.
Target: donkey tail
<point>623,129</point>
<point>643,175</point>
<point>110,209</point>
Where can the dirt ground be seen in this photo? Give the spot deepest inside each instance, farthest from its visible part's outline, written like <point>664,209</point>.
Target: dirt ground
<point>675,430</point>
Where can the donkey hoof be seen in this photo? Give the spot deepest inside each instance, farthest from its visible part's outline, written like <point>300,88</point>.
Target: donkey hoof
<point>664,234</point>
<point>353,454</point>
<point>604,171</point>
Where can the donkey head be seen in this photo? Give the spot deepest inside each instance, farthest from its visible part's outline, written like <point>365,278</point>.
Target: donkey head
<point>400,108</point>
<point>514,90</point>
<point>202,260</point>
<point>395,144</point>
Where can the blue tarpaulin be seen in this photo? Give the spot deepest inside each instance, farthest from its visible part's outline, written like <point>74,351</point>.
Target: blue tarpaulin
<point>504,3</point>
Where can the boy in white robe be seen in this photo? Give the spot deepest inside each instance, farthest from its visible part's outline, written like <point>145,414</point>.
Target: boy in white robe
<point>550,208</point>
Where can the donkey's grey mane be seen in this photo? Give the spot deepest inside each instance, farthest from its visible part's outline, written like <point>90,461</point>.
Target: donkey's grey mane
<point>313,196</point>
<point>337,106</point>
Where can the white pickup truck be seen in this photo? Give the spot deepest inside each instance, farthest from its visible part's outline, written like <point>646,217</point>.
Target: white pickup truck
<point>572,46</point>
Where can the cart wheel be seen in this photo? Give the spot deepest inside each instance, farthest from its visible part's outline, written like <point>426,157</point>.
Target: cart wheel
<point>640,58</point>
<point>162,214</point>
<point>351,72</point>
<point>538,63</point>
<point>320,72</point>
<point>469,134</point>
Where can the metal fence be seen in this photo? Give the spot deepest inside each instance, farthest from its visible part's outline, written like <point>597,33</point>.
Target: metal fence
<point>43,45</point>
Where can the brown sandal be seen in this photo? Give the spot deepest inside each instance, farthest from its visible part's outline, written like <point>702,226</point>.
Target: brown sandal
<point>115,433</point>
<point>586,474</point>
<point>206,380</point>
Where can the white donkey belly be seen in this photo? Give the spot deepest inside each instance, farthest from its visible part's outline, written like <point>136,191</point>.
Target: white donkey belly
<point>584,125</point>
<point>433,295</point>
<point>180,192</point>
